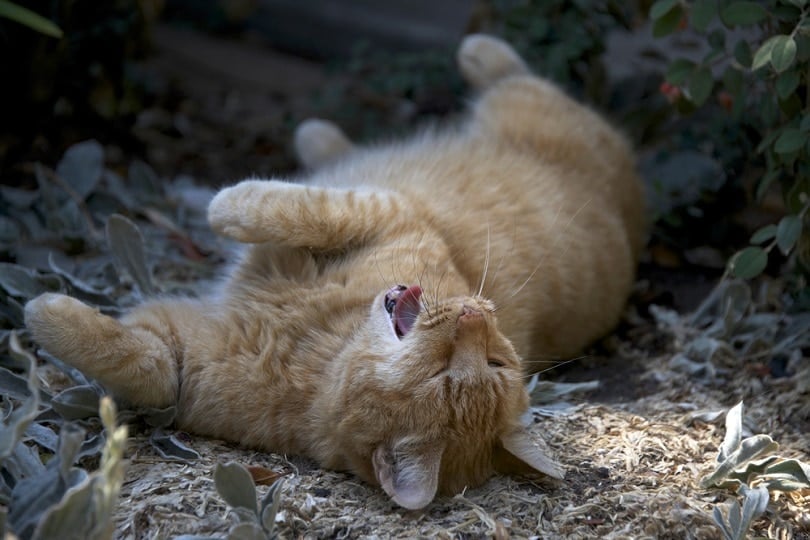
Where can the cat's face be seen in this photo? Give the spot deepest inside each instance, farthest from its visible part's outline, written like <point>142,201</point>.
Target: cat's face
<point>431,397</point>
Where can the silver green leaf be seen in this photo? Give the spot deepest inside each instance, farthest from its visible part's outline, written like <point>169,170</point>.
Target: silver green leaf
<point>17,422</point>
<point>77,402</point>
<point>733,432</point>
<point>235,484</point>
<point>269,506</point>
<point>128,252</point>
<point>170,448</point>
<point>81,167</point>
<point>246,530</point>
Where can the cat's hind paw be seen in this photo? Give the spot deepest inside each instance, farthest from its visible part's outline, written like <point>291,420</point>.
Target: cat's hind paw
<point>318,142</point>
<point>483,60</point>
<point>61,324</point>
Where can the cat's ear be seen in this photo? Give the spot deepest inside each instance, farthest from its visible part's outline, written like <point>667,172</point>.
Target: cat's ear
<point>409,472</point>
<point>517,454</point>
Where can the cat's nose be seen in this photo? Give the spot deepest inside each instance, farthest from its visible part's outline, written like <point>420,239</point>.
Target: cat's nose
<point>471,324</point>
<point>470,315</point>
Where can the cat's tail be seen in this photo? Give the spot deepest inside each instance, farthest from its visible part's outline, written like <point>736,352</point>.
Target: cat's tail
<point>136,358</point>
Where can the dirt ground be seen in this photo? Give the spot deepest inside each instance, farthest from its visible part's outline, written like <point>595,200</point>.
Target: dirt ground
<point>634,448</point>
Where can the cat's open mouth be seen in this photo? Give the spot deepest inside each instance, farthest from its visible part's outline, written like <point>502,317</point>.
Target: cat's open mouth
<point>403,306</point>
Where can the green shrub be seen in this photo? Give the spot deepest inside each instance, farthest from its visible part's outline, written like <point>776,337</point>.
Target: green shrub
<point>756,67</point>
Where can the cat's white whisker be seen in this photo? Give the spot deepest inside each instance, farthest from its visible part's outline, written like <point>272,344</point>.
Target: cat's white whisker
<point>507,254</point>
<point>556,241</point>
<point>486,261</point>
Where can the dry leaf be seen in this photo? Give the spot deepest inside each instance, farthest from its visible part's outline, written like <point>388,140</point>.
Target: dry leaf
<point>263,476</point>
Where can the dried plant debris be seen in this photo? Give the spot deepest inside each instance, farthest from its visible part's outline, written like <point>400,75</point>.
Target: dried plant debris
<point>641,464</point>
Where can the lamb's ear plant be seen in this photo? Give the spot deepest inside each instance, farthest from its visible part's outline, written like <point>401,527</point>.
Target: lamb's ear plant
<point>85,511</point>
<point>57,500</point>
<point>256,521</point>
<point>749,467</point>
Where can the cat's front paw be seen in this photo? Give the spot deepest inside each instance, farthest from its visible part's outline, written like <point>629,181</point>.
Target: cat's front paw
<point>484,60</point>
<point>240,212</point>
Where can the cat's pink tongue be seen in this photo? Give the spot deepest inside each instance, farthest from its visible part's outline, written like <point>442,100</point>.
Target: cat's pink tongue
<point>407,309</point>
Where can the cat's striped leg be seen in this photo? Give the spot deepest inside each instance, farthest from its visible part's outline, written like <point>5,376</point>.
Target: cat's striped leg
<point>318,142</point>
<point>484,60</point>
<point>294,215</point>
<point>135,358</point>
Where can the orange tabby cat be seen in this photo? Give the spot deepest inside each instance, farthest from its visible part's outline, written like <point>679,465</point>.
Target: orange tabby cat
<point>386,309</point>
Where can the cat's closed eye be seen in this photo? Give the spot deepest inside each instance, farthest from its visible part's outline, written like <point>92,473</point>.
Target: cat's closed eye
<point>495,363</point>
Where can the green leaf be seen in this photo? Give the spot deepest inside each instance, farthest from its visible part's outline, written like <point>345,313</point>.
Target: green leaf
<point>766,181</point>
<point>679,71</point>
<point>668,23</point>
<point>787,83</point>
<point>805,123</point>
<point>790,140</point>
<point>742,53</point>
<point>743,14</point>
<point>128,252</point>
<point>700,85</point>
<point>733,81</point>
<point>749,263</point>
<point>717,41</point>
<point>797,195</point>
<point>661,8</point>
<point>702,14</point>
<point>236,486</point>
<point>788,232</point>
<point>783,53</point>
<point>786,13</point>
<point>26,17</point>
<point>764,234</point>
<point>763,54</point>
<point>767,141</point>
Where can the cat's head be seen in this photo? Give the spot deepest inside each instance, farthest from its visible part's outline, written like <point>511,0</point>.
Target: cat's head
<point>430,398</point>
